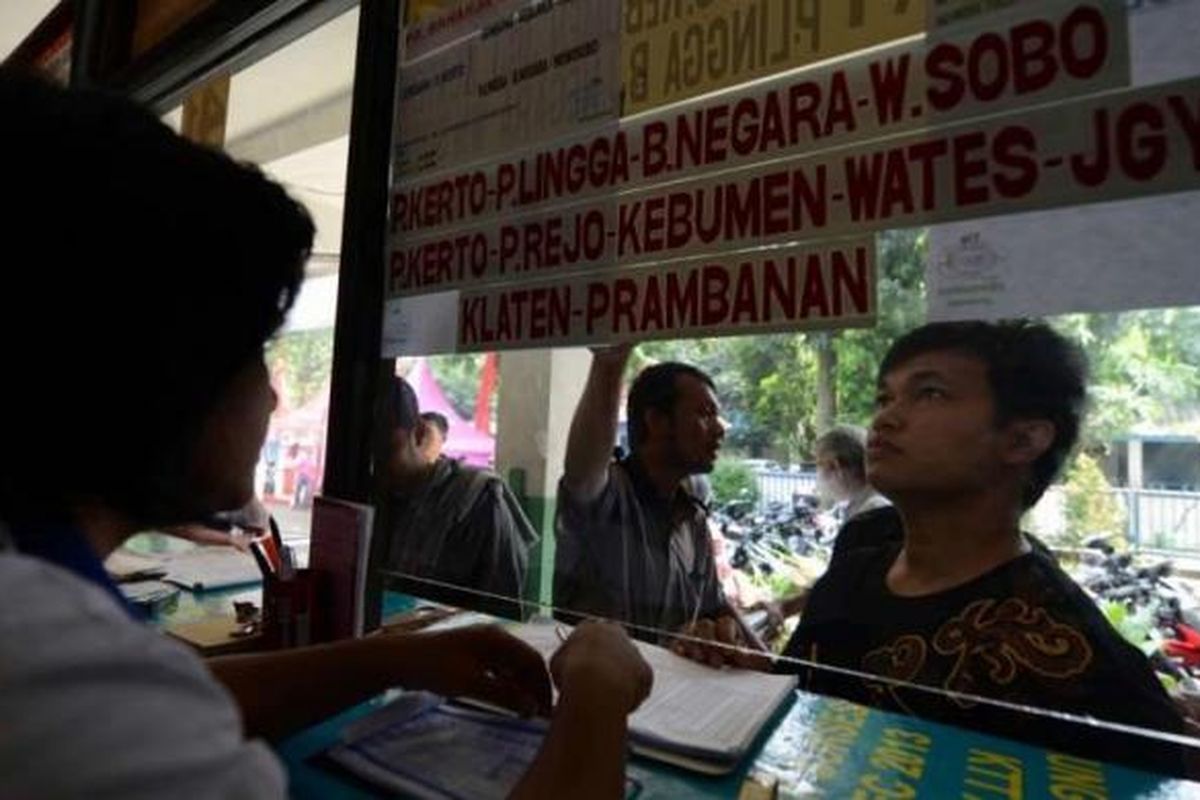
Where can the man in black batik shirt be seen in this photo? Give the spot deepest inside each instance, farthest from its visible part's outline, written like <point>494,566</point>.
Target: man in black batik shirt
<point>973,422</point>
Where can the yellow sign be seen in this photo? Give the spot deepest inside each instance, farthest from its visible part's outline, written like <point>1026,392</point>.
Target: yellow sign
<point>205,112</point>
<point>675,49</point>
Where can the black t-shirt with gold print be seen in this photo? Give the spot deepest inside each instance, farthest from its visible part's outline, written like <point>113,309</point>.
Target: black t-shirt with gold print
<point>1023,633</point>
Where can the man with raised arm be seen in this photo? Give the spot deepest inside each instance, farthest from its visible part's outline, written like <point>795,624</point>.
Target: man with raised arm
<point>632,538</point>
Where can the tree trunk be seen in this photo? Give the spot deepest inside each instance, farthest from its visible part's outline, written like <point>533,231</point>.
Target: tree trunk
<point>826,381</point>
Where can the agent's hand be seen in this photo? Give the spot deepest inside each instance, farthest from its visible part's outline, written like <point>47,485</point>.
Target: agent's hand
<point>482,662</point>
<point>599,661</point>
<point>718,643</point>
<point>200,534</point>
<point>616,354</point>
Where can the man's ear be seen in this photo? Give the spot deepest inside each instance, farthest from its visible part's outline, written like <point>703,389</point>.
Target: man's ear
<point>421,433</point>
<point>1027,439</point>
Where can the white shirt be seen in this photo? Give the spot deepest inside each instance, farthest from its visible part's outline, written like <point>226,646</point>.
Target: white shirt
<point>94,704</point>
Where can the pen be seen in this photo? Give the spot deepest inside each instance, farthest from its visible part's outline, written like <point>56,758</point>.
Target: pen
<point>275,537</point>
<point>269,549</point>
<point>264,566</point>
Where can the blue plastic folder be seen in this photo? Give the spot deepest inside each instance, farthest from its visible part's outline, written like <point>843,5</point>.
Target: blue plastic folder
<point>423,746</point>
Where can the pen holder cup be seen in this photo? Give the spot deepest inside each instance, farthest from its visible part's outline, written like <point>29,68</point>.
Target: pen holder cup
<point>296,611</point>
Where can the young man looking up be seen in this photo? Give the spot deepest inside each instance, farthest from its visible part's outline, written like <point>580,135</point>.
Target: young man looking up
<point>973,421</point>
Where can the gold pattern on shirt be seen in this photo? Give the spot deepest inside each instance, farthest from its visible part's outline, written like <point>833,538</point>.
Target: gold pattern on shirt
<point>994,641</point>
<point>991,642</point>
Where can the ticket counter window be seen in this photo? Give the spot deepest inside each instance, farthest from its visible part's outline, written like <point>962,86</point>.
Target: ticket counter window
<point>741,234</point>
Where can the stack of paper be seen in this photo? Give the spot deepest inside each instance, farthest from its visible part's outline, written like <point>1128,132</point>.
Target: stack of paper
<point>697,717</point>
<point>208,568</point>
<point>124,564</point>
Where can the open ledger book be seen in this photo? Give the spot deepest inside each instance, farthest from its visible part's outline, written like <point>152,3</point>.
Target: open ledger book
<point>696,717</point>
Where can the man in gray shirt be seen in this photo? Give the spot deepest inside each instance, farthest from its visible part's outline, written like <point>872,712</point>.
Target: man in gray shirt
<point>459,535</point>
<point>632,540</point>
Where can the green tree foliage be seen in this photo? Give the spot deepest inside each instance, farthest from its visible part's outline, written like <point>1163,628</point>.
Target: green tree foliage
<point>901,308</point>
<point>459,377</point>
<point>1090,508</point>
<point>1145,367</point>
<point>733,480</point>
<point>306,358</point>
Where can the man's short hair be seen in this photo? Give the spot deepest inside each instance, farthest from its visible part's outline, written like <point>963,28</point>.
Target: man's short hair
<point>144,272</point>
<point>402,405</point>
<point>656,387</point>
<point>1033,371</point>
<point>847,445</point>
<point>437,420</point>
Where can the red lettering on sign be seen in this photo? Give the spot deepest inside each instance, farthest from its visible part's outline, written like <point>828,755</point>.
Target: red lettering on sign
<point>509,245</point>
<point>1189,122</point>
<point>969,164</point>
<point>840,113</point>
<point>468,315</point>
<point>399,210</point>
<point>679,219</point>
<point>776,219</point>
<point>804,100</point>
<point>506,181</point>
<point>742,211</point>
<point>655,219</point>
<point>683,301</point>
<point>1015,150</point>
<point>779,288</point>
<point>714,134</point>
<point>1034,66</point>
<point>1027,59</point>
<point>396,272</point>
<point>897,190</point>
<point>864,177</point>
<point>815,298</point>
<point>926,154</point>
<point>1094,171</point>
<point>889,80</point>
<point>655,136</point>
<point>538,308</point>
<point>745,126</point>
<point>715,308</point>
<point>652,309</point>
<point>851,281</point>
<point>1078,62</point>
<point>597,305</point>
<point>628,238</point>
<point>1141,143</point>
<point>531,245</point>
<point>987,67</point>
<point>745,304</point>
<point>624,297</point>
